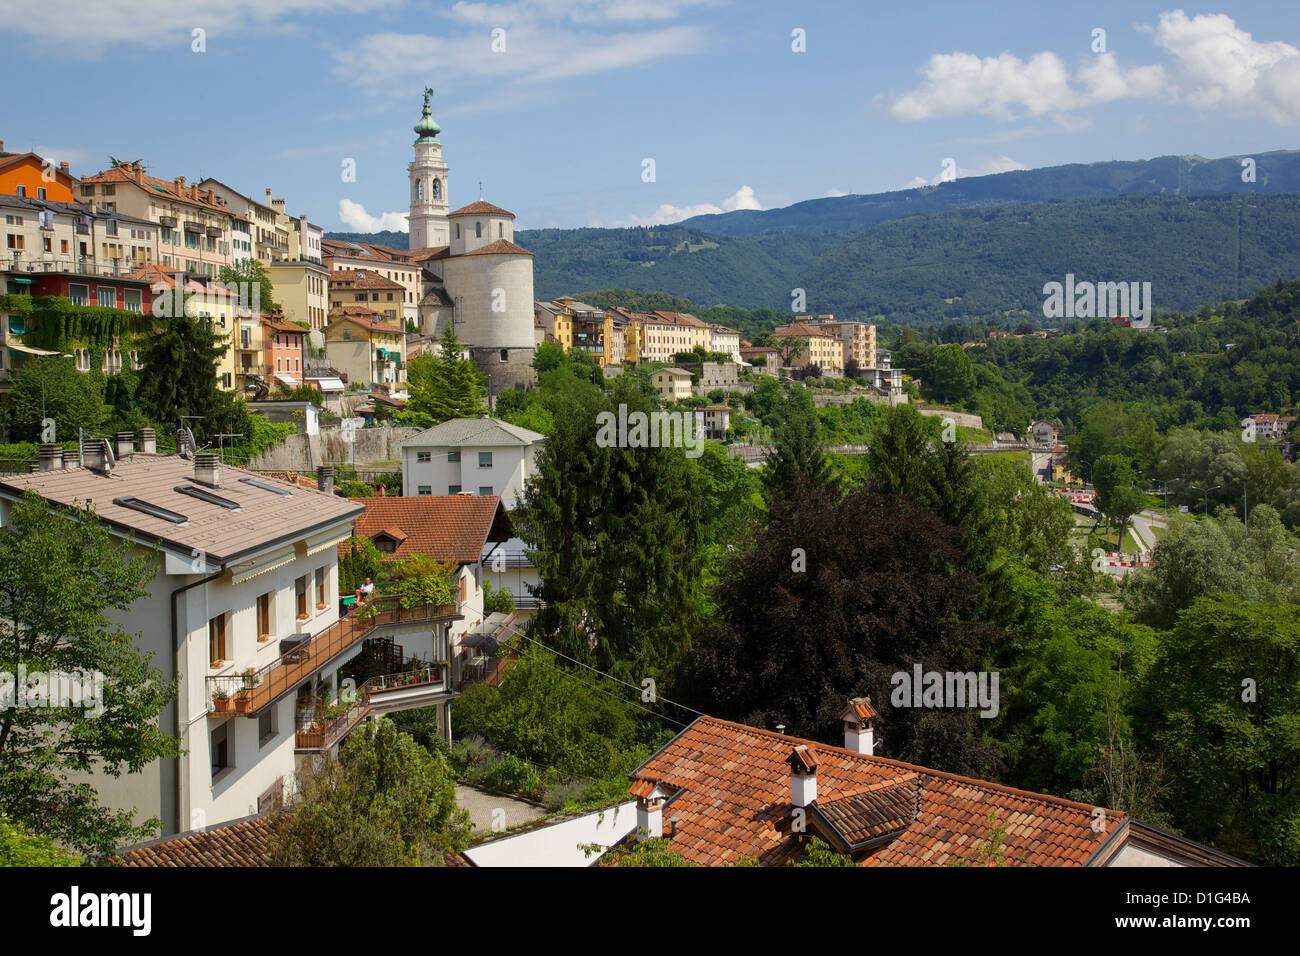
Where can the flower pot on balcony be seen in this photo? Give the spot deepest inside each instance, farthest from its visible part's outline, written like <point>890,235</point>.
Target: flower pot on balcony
<point>243,703</point>
<point>222,705</point>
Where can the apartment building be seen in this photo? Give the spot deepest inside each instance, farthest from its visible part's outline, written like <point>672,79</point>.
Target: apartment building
<point>659,339</point>
<point>601,333</point>
<point>400,266</point>
<point>367,289</point>
<point>42,235</point>
<point>672,384</point>
<point>698,333</point>
<point>194,226</point>
<point>818,347</point>
<point>365,347</point>
<point>480,456</point>
<point>724,339</point>
<point>224,309</point>
<point>857,338</point>
<point>31,176</point>
<point>244,610</point>
<point>302,290</point>
<point>283,343</point>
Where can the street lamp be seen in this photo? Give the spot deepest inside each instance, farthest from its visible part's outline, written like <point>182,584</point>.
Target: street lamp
<point>1207,497</point>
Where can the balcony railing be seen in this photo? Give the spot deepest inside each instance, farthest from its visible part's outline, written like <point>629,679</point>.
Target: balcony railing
<point>71,265</point>
<point>252,693</point>
<point>321,735</point>
<point>214,232</point>
<point>167,221</point>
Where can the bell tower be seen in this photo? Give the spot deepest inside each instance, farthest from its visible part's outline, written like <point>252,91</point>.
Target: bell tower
<point>428,176</point>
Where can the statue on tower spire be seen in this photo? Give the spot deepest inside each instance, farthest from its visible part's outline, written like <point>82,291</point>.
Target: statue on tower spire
<point>428,94</point>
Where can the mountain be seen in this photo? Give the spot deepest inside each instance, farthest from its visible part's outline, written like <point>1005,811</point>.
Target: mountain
<point>1275,172</point>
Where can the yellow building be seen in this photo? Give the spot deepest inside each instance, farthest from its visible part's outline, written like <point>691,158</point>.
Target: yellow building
<point>364,347</point>
<point>818,347</point>
<point>194,227</point>
<point>672,384</point>
<point>302,291</point>
<point>221,308</point>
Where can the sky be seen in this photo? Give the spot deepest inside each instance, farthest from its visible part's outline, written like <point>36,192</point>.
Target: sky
<point>556,106</point>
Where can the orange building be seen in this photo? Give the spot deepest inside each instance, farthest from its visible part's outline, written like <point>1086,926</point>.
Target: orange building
<point>26,174</point>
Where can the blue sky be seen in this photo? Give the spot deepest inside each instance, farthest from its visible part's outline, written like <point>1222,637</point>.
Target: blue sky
<point>557,124</point>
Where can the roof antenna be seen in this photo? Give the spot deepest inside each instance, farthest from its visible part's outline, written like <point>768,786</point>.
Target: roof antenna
<point>186,446</point>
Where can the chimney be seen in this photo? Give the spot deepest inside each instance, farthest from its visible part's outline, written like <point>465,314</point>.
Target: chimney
<point>92,453</point>
<point>125,442</point>
<point>148,441</point>
<point>325,479</point>
<point>63,166</point>
<point>208,196</point>
<point>50,457</point>
<point>71,458</point>
<point>179,182</point>
<point>858,733</point>
<point>207,469</point>
<point>268,195</point>
<point>194,190</point>
<point>2,146</point>
<point>803,775</point>
<point>649,811</point>
<point>381,490</point>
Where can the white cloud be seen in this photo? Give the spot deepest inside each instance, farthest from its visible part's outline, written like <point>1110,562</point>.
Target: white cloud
<point>1220,66</point>
<point>63,24</point>
<point>742,198</point>
<point>1216,66</point>
<point>355,217</point>
<point>398,63</point>
<point>999,164</point>
<point>835,193</point>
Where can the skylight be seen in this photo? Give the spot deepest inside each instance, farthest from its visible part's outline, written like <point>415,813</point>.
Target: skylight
<point>156,511</point>
<point>209,497</point>
<point>265,487</point>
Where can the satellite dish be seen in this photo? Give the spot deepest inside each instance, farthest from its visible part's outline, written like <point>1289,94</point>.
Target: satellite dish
<point>185,444</point>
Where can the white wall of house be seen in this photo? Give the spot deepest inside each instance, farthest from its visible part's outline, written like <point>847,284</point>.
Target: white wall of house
<point>558,844</point>
<point>510,468</point>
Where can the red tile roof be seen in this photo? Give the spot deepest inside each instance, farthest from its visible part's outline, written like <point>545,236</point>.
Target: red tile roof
<point>502,247</point>
<point>482,208</point>
<point>734,800</point>
<point>361,279</point>
<point>124,174</point>
<point>445,527</point>
<point>241,843</point>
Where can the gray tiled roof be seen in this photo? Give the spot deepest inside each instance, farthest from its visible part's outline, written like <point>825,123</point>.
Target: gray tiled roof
<point>222,534</point>
<point>473,431</point>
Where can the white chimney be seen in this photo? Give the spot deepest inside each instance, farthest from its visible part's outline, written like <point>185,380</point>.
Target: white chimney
<point>148,441</point>
<point>859,736</point>
<point>92,453</point>
<point>125,442</point>
<point>649,810</point>
<point>325,479</point>
<point>803,775</point>
<point>207,470</point>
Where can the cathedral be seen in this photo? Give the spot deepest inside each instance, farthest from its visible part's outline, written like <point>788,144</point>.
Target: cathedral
<point>476,280</point>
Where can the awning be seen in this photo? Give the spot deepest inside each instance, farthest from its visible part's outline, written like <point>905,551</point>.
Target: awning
<point>329,384</point>
<point>287,379</point>
<point>251,569</point>
<point>27,349</point>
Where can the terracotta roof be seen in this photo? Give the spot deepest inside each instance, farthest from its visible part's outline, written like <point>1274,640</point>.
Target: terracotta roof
<point>241,843</point>
<point>873,813</point>
<point>445,527</point>
<point>479,207</point>
<point>502,247</point>
<point>160,278</point>
<point>802,329</point>
<point>860,707</point>
<point>367,318</point>
<point>680,318</point>
<point>265,516</point>
<point>734,798</point>
<point>119,174</point>
<point>282,325</point>
<point>362,279</point>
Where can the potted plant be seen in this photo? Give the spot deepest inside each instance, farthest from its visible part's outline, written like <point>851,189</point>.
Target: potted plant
<point>243,699</point>
<point>221,701</point>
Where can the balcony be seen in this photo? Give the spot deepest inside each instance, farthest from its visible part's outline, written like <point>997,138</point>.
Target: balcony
<point>422,686</point>
<point>214,232</point>
<point>195,228</point>
<point>168,222</point>
<point>251,694</point>
<point>80,265</point>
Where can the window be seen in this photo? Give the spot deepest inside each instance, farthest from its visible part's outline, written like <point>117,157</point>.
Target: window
<point>501,230</point>
<point>131,300</point>
<point>300,588</point>
<point>453,489</point>
<point>225,380</point>
<point>220,751</point>
<point>321,575</point>
<point>15,241</point>
<point>385,544</point>
<point>40,192</point>
<point>83,360</point>
<point>136,364</point>
<point>485,489</point>
<point>79,294</point>
<point>505,355</point>
<point>478,230</point>
<point>424,456</point>
<point>63,246</point>
<point>266,727</point>
<point>485,459</point>
<point>217,641</point>
<point>457,230</point>
<point>425,490</point>
<point>22,190</point>
<point>453,456</point>
<point>106,296</point>
<point>264,616</point>
<point>49,246</point>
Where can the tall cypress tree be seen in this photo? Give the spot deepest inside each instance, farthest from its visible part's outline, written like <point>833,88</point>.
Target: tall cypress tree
<point>179,374</point>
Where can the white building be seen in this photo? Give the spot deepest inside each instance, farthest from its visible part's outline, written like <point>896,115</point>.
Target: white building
<point>480,456</point>
<point>723,339</point>
<point>244,609</point>
<point>672,384</point>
